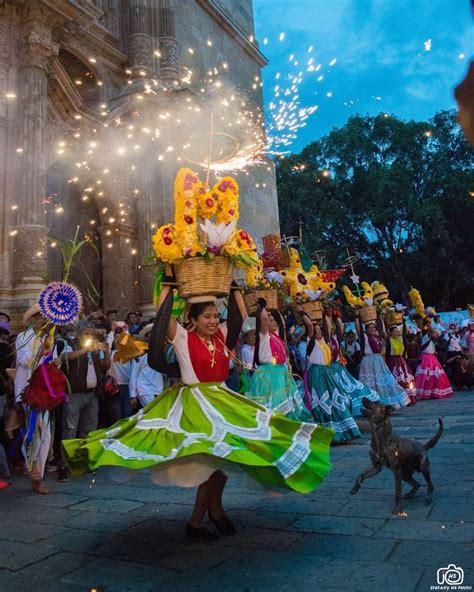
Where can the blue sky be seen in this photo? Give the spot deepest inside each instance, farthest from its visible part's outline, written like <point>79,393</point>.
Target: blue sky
<point>382,50</point>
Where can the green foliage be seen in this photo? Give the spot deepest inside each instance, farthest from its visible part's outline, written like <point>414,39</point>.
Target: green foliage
<point>396,193</point>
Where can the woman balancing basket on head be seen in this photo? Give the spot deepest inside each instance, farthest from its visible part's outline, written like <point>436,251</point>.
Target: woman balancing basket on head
<point>198,432</point>
<point>374,372</point>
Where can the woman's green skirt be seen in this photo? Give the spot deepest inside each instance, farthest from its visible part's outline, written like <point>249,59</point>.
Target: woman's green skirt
<point>188,422</point>
<point>273,386</point>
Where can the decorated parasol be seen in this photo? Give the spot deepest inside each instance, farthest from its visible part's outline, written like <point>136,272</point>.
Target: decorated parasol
<point>60,303</point>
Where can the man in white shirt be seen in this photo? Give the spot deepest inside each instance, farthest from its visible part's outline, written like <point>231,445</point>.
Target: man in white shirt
<point>353,350</point>
<point>31,346</point>
<point>145,383</point>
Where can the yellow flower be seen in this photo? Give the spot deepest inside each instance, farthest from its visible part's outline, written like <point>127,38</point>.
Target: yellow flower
<point>186,211</point>
<point>228,198</point>
<point>166,244</point>
<point>207,202</point>
<point>255,275</point>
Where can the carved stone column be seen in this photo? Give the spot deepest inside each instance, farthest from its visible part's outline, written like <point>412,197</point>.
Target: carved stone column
<point>119,267</point>
<point>140,47</point>
<point>147,216</point>
<point>168,46</point>
<point>110,16</point>
<point>30,240</point>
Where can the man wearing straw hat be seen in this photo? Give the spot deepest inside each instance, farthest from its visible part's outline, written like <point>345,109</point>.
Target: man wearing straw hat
<point>31,346</point>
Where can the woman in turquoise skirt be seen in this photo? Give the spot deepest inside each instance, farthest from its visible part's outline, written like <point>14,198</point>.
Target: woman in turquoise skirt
<point>326,394</point>
<point>356,389</point>
<point>196,432</point>
<point>272,383</point>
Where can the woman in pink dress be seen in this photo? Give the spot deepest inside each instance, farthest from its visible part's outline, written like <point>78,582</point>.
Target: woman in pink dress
<point>431,380</point>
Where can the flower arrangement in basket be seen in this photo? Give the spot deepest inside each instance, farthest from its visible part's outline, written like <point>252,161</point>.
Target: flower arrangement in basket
<point>395,315</point>
<point>381,298</point>
<point>363,302</point>
<point>204,244</point>
<point>266,284</point>
<point>306,288</point>
<point>417,302</point>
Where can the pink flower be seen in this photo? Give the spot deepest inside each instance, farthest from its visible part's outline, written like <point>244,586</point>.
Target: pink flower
<point>167,240</point>
<point>188,219</point>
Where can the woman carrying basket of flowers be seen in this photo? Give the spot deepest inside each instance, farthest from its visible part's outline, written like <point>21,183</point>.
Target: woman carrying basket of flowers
<point>272,383</point>
<point>374,372</point>
<point>196,433</point>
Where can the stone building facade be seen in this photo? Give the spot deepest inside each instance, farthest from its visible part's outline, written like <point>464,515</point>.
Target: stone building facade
<point>119,45</point>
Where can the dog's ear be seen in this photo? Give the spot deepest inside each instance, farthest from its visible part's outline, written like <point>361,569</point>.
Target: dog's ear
<point>389,410</point>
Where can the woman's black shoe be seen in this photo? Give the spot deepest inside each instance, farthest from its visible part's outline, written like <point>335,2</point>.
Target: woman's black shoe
<point>200,533</point>
<point>223,524</point>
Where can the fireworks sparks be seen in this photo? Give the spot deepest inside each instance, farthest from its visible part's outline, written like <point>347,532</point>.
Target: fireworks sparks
<point>110,157</point>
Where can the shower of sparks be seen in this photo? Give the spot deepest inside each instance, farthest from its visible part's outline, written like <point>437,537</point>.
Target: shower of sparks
<point>109,157</point>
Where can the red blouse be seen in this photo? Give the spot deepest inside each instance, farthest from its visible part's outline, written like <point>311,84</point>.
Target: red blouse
<point>209,366</point>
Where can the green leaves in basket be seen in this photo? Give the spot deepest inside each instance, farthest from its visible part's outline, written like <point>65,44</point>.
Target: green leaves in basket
<point>179,304</point>
<point>247,258</point>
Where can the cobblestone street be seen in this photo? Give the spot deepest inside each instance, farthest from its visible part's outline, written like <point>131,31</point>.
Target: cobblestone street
<point>92,533</point>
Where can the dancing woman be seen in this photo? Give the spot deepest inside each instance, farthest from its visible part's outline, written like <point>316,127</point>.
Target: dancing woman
<point>395,358</point>
<point>431,380</point>
<point>347,382</point>
<point>329,401</point>
<point>374,372</point>
<point>272,383</point>
<point>197,432</point>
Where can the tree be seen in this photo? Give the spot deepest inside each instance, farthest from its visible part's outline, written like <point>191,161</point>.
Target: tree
<point>395,193</point>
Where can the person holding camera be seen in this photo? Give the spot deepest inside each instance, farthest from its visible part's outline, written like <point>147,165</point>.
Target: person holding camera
<point>85,361</point>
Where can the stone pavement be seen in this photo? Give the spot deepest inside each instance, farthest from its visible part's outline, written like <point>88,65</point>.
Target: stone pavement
<point>92,533</point>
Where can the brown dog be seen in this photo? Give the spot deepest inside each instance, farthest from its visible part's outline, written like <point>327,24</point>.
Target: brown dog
<point>400,455</point>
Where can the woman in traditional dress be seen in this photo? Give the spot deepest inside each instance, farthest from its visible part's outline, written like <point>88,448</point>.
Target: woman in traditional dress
<point>431,380</point>
<point>195,433</point>
<point>272,383</point>
<point>374,372</point>
<point>326,397</point>
<point>347,382</point>
<point>395,358</point>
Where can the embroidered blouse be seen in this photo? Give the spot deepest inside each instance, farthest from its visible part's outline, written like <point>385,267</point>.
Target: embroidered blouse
<point>195,359</point>
<point>321,354</point>
<point>272,349</point>
<point>373,344</point>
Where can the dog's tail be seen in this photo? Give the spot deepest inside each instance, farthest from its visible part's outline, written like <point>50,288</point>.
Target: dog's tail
<point>434,440</point>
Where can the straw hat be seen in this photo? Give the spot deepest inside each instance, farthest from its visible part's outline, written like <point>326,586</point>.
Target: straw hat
<point>250,324</point>
<point>31,312</point>
<point>144,332</point>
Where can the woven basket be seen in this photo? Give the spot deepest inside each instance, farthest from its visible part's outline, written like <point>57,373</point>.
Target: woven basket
<point>198,276</point>
<point>394,317</point>
<point>250,299</point>
<point>368,314</point>
<point>313,309</point>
